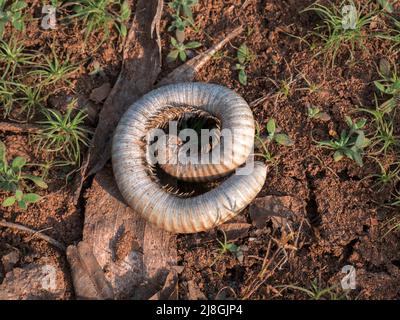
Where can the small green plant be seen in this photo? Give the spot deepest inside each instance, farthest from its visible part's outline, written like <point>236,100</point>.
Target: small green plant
<point>183,7</point>
<point>31,98</point>
<point>180,49</point>
<point>316,113</point>
<point>262,144</point>
<point>244,56</point>
<point>11,13</point>
<point>7,97</point>
<point>316,292</point>
<point>227,247</point>
<point>64,135</point>
<point>350,143</point>
<point>384,136</point>
<point>390,82</point>
<point>53,70</point>
<point>341,31</point>
<point>12,179</point>
<point>13,56</point>
<point>387,175</point>
<point>284,87</point>
<point>99,15</point>
<point>274,135</point>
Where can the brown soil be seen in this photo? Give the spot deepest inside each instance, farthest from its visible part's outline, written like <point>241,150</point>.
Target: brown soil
<point>344,214</point>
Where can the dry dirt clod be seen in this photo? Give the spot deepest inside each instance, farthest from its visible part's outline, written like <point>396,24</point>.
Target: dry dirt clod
<point>36,281</point>
<point>195,292</point>
<point>10,260</point>
<point>99,94</point>
<point>279,209</point>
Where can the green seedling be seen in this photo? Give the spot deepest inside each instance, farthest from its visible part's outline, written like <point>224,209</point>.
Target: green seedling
<point>13,56</point>
<point>64,135</point>
<point>183,7</point>
<point>350,143</point>
<point>284,87</point>
<point>227,247</point>
<point>311,86</point>
<point>13,179</point>
<point>274,135</point>
<point>390,82</point>
<point>316,292</point>
<point>262,144</point>
<point>347,30</point>
<point>180,49</point>
<point>53,70</point>
<point>179,25</point>
<point>7,97</point>
<point>12,13</point>
<point>315,113</point>
<point>387,175</point>
<point>384,136</point>
<point>100,15</point>
<point>244,56</point>
<point>30,99</point>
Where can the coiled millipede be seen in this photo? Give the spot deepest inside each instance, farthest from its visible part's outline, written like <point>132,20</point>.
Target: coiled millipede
<point>135,176</point>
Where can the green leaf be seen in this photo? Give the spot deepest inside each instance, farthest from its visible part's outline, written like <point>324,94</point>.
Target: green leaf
<point>356,156</point>
<point>125,11</point>
<point>386,5</point>
<point>349,121</point>
<point>124,30</point>
<point>271,126</point>
<point>18,195</point>
<point>22,204</point>
<point>231,247</point>
<point>360,123</point>
<point>182,55</point>
<point>193,45</point>
<point>338,155</point>
<point>36,180</point>
<point>360,141</point>
<point>18,24</point>
<point>243,54</point>
<point>283,139</point>
<point>3,153</point>
<point>31,197</point>
<point>173,55</point>
<point>2,24</point>
<point>19,5</point>
<point>18,163</point>
<point>174,42</point>
<point>380,86</point>
<point>242,77</point>
<point>8,202</point>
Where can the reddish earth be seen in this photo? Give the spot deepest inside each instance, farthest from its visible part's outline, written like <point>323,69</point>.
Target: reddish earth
<point>339,216</point>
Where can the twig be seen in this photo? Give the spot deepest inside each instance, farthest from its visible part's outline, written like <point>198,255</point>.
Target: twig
<point>38,234</point>
<point>19,127</point>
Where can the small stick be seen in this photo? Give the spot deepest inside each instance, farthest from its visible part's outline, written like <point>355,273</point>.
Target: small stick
<point>38,234</point>
<point>19,127</point>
